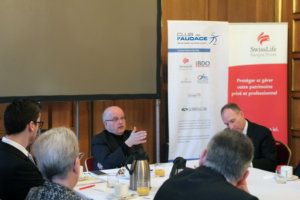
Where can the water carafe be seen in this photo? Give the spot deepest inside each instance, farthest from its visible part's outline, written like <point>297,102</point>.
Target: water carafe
<point>139,170</point>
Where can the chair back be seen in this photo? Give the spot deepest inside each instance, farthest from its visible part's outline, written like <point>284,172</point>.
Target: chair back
<point>89,163</point>
<point>284,153</point>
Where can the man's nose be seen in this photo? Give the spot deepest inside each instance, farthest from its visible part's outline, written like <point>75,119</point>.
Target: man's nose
<point>230,126</point>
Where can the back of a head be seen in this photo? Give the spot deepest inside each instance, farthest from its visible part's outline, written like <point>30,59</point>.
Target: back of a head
<point>18,114</point>
<point>56,151</point>
<point>230,153</point>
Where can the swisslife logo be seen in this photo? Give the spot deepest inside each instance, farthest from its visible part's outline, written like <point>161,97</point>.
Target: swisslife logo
<point>264,47</point>
<point>261,38</point>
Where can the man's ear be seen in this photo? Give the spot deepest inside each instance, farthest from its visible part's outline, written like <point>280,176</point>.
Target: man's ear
<point>76,167</point>
<point>30,126</point>
<point>202,157</point>
<point>244,177</point>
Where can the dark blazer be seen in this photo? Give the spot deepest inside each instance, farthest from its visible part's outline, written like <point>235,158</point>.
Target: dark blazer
<point>265,154</point>
<point>17,173</point>
<point>108,152</point>
<point>202,183</point>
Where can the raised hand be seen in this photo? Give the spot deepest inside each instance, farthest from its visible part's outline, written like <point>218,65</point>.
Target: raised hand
<point>136,138</point>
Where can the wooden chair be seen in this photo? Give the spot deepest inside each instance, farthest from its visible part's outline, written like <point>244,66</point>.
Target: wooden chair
<point>89,163</point>
<point>284,153</point>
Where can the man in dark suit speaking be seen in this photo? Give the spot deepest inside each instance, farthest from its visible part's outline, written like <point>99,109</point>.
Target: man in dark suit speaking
<point>115,144</point>
<point>265,154</point>
<point>18,172</point>
<point>222,173</point>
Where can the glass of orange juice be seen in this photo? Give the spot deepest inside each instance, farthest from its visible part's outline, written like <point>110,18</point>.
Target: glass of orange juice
<point>159,171</point>
<point>143,187</point>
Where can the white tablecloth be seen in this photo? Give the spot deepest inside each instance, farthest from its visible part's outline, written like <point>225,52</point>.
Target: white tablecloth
<point>260,183</point>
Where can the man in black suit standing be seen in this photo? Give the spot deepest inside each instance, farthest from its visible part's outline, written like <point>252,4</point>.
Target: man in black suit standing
<point>18,172</point>
<point>265,154</point>
<point>222,173</point>
<point>112,147</point>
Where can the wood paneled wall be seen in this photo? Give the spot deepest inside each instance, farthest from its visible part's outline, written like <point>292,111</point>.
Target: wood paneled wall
<point>293,16</point>
<point>141,113</point>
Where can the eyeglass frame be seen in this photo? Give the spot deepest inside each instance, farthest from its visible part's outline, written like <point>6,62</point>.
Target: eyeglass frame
<point>80,155</point>
<point>41,123</point>
<point>116,119</point>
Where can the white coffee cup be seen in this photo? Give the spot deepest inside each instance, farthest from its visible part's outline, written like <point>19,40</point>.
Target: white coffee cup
<point>81,174</point>
<point>287,170</point>
<point>120,190</point>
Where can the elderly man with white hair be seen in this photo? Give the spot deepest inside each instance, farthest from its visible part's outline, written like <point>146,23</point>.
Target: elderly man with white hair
<point>58,160</point>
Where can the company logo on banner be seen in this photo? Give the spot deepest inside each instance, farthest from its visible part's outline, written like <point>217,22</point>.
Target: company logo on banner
<point>194,100</point>
<point>263,38</point>
<point>262,49</point>
<point>258,74</point>
<point>202,78</point>
<point>202,63</point>
<point>197,38</point>
<point>189,109</point>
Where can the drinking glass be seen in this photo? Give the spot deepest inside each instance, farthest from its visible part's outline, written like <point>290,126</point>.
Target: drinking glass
<point>159,171</point>
<point>143,187</point>
<point>112,179</point>
<point>280,177</point>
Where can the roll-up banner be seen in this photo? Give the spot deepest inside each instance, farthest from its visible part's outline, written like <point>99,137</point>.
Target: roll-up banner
<point>197,84</point>
<point>258,73</point>
<point>200,81</point>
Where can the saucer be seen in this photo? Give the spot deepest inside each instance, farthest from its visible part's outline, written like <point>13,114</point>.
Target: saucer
<point>293,178</point>
<point>112,196</point>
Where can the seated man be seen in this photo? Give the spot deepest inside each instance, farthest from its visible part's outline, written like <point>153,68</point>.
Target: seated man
<point>18,172</point>
<point>222,173</point>
<point>57,157</point>
<point>114,145</point>
<point>265,154</point>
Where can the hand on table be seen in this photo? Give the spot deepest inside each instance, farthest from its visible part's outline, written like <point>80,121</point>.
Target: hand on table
<point>136,138</point>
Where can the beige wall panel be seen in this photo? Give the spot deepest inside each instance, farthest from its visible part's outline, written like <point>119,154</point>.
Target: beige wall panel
<point>296,75</point>
<point>296,36</point>
<point>295,117</point>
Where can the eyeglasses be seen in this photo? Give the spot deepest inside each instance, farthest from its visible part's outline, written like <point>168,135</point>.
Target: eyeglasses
<point>80,155</point>
<point>40,123</point>
<point>116,119</point>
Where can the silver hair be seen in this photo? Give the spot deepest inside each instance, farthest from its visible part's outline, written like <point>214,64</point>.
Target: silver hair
<point>230,153</point>
<point>56,151</point>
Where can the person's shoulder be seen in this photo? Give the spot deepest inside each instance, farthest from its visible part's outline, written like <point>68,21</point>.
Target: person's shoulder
<point>258,127</point>
<point>237,193</point>
<point>100,136</point>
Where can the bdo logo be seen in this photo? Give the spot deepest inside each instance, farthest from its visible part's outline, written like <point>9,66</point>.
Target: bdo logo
<point>202,63</point>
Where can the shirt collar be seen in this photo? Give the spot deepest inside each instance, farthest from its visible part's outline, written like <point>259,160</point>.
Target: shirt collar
<point>245,128</point>
<point>16,145</point>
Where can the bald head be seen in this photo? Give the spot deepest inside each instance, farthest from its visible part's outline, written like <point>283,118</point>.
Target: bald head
<point>114,120</point>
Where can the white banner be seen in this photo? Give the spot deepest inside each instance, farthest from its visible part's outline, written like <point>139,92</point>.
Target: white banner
<point>197,84</point>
